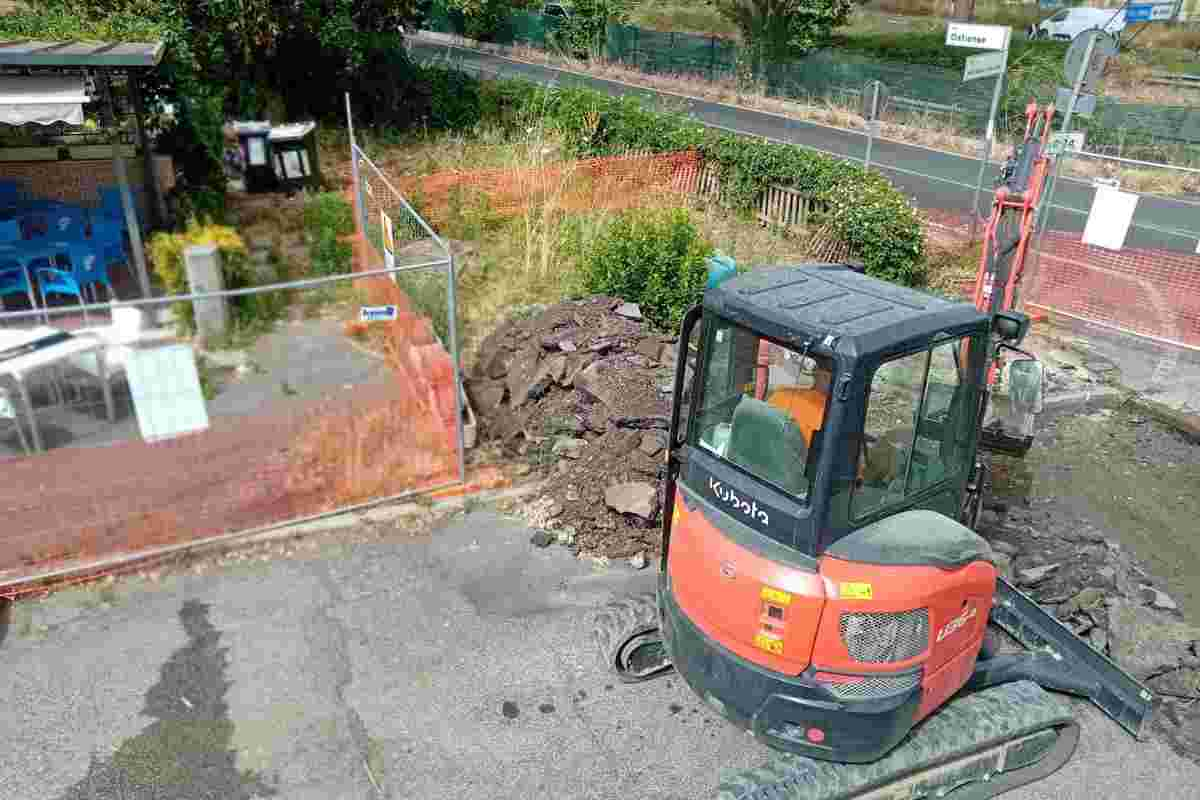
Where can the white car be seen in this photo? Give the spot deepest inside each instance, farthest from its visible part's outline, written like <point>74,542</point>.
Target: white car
<point>1070,22</point>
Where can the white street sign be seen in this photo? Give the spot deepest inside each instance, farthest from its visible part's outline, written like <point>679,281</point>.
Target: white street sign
<point>980,37</point>
<point>1067,142</point>
<point>985,65</point>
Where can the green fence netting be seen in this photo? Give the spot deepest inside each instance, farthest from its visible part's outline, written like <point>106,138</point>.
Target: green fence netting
<point>833,76</point>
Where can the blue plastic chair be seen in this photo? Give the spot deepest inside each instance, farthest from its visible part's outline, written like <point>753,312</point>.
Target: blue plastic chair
<point>11,193</point>
<point>14,280</point>
<point>10,230</point>
<point>89,261</point>
<point>111,235</point>
<point>67,225</point>
<point>111,207</point>
<point>57,281</point>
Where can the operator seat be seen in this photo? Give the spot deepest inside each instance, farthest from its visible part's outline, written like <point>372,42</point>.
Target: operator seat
<point>767,442</point>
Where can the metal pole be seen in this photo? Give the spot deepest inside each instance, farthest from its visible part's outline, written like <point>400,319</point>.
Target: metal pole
<point>452,314</point>
<point>1083,67</point>
<point>871,123</point>
<point>153,189</point>
<point>986,146</point>
<point>360,208</point>
<point>131,220</point>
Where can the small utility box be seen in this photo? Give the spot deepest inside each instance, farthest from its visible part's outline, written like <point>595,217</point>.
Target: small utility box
<point>295,151</point>
<point>254,139</point>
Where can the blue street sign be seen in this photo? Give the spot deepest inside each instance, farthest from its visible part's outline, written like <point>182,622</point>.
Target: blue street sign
<point>1139,13</point>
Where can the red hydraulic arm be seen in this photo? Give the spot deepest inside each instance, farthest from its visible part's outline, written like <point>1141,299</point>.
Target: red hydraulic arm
<point>1014,209</point>
<point>1006,238</point>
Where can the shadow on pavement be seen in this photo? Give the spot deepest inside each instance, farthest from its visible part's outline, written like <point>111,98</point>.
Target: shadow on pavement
<point>187,753</point>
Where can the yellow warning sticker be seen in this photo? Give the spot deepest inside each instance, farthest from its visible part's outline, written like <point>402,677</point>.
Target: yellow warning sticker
<point>675,514</point>
<point>769,643</point>
<point>777,596</point>
<point>854,591</point>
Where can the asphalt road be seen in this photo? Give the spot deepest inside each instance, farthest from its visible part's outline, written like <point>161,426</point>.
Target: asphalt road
<point>936,180</point>
<point>451,665</point>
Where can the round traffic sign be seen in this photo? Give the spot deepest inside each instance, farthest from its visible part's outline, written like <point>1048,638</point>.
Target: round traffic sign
<point>1105,47</point>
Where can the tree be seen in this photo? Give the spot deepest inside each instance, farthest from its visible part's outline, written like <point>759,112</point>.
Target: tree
<point>776,31</point>
<point>483,19</point>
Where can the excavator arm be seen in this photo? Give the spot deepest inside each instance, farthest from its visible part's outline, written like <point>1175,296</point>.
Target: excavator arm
<point>1007,419</point>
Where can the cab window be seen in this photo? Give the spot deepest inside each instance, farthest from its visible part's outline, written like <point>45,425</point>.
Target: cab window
<point>917,428</point>
<point>1060,16</point>
<point>761,405</point>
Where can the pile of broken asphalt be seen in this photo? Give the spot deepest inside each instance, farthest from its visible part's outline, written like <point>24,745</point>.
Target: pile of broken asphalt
<point>582,391</point>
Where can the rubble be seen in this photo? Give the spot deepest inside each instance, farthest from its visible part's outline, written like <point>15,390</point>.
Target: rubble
<point>1095,586</point>
<point>1035,575</point>
<point>629,311</point>
<point>639,499</point>
<point>575,390</point>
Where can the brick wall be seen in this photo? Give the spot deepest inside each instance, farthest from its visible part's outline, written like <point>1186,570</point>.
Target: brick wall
<point>77,181</point>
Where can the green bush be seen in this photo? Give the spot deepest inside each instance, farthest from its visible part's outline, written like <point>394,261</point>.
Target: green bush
<point>653,258</point>
<point>327,218</point>
<point>329,211</point>
<point>426,290</point>
<point>166,257</point>
<point>865,209</point>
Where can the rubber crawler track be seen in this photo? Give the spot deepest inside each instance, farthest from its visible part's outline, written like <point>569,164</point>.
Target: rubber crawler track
<point>972,724</point>
<point>620,621</point>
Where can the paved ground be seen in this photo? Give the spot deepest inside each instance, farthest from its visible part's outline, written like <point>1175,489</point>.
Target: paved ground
<point>937,180</point>
<point>452,665</point>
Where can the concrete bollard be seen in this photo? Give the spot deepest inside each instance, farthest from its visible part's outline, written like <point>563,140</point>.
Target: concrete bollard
<point>203,264</point>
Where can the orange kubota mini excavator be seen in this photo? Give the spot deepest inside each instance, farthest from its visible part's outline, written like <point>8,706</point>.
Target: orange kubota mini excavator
<point>821,584</point>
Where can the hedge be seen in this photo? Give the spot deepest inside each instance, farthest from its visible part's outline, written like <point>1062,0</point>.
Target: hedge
<point>866,211</point>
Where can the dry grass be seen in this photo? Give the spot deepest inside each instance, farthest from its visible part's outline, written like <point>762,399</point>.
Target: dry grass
<point>697,18</point>
<point>531,254</point>
<point>951,262</point>
<point>1146,180</point>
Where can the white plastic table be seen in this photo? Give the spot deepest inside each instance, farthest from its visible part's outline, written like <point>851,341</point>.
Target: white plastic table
<point>18,368</point>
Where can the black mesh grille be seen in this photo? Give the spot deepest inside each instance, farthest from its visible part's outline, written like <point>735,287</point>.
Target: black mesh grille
<point>875,686</point>
<point>885,638</point>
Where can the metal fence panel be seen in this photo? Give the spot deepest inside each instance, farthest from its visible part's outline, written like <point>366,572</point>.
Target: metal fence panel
<point>129,436</point>
<point>1145,283</point>
<point>422,287</point>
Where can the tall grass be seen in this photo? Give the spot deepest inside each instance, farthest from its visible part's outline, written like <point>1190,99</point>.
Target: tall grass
<point>699,18</point>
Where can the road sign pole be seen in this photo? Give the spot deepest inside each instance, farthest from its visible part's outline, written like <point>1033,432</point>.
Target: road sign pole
<point>1083,68</point>
<point>871,123</point>
<point>986,147</point>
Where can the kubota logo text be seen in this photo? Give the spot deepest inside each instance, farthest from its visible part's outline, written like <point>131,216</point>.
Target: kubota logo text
<point>956,623</point>
<point>748,507</point>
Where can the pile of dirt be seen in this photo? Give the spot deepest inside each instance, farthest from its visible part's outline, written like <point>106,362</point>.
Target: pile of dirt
<point>582,390</point>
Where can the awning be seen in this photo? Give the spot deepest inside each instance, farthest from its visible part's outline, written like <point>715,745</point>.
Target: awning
<point>42,99</point>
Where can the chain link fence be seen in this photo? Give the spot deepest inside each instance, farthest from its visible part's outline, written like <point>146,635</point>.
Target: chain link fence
<point>130,430</point>
<point>916,94</point>
<point>124,436</point>
<point>420,286</point>
<point>1117,259</point>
